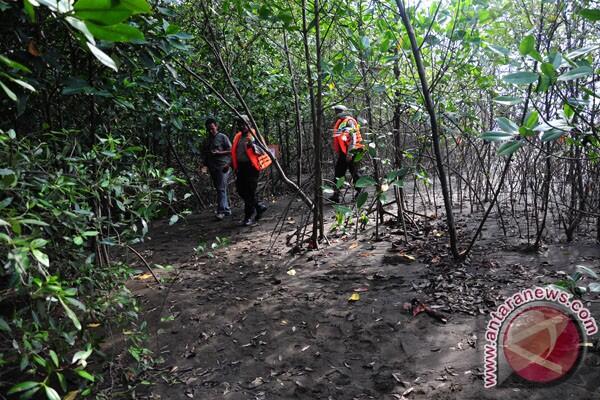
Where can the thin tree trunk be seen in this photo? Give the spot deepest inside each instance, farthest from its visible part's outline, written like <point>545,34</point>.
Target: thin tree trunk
<point>434,128</point>
<point>185,172</point>
<point>318,223</point>
<point>298,113</point>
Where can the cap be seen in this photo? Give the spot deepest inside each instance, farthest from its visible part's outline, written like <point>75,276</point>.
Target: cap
<point>244,118</point>
<point>340,108</point>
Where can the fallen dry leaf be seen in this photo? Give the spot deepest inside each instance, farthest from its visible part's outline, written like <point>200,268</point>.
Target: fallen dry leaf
<point>71,395</point>
<point>143,277</point>
<point>291,272</point>
<point>257,382</point>
<point>33,49</point>
<point>354,297</point>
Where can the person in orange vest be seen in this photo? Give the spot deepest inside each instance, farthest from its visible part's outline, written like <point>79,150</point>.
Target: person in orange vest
<point>346,138</point>
<point>248,159</point>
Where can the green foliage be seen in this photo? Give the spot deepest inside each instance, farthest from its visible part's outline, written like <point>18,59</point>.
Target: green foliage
<point>582,281</point>
<point>55,217</point>
<point>78,186</point>
<point>592,14</point>
<point>218,243</point>
<point>521,78</point>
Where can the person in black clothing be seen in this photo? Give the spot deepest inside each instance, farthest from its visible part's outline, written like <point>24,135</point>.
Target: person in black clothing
<point>217,157</point>
<point>244,152</point>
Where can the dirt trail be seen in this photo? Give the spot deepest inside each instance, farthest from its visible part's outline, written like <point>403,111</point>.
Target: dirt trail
<point>240,325</point>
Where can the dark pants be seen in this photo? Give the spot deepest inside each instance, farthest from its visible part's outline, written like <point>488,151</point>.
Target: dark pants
<point>246,183</point>
<point>220,179</point>
<point>342,165</point>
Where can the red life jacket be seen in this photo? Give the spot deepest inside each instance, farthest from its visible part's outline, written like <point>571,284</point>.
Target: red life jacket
<point>258,161</point>
<point>342,139</point>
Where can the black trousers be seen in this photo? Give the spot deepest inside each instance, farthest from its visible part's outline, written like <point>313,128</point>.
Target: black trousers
<point>342,165</point>
<point>246,183</point>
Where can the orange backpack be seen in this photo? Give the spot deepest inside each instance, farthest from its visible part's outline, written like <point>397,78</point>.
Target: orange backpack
<point>258,161</point>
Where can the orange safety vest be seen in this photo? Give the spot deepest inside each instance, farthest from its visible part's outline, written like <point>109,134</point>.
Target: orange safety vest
<point>342,139</point>
<point>258,161</point>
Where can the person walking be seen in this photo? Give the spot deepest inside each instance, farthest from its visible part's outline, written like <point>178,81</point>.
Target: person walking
<point>248,159</point>
<point>346,138</point>
<point>217,158</point>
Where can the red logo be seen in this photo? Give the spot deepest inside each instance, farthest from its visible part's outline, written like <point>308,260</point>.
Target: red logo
<point>542,344</point>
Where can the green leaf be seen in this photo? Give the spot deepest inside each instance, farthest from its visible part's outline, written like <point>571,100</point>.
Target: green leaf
<point>548,70</point>
<point>103,12</point>
<point>82,355</point>
<point>85,375</point>
<point>30,221</point>
<point>594,287</point>
<point>507,125</point>
<point>507,100</point>
<point>569,111</point>
<point>362,199</point>
<point>137,6</point>
<point>54,358</point>
<point>340,209</point>
<point>29,10</point>
<point>586,271</point>
<point>11,95</point>
<point>4,325</point>
<point>365,181</point>
<point>365,42</point>
<point>497,136</point>
<point>71,315</point>
<point>552,135</point>
<point>63,382</point>
<point>544,84</point>
<point>576,73</point>
<point>37,243</point>
<point>115,33</point>
<point>51,393</point>
<point>531,120</point>
<point>78,240</point>
<point>509,148</point>
<point>555,59</point>
<point>502,51</point>
<point>41,257</point>
<point>535,55</point>
<point>527,45</point>
<point>19,82</point>
<point>592,14</point>
<point>14,64</point>
<point>581,52</point>
<point>109,12</point>
<point>521,78</point>
<point>23,386</point>
<point>102,56</point>
<point>74,301</point>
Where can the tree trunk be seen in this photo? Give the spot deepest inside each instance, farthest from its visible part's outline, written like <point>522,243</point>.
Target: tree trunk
<point>434,128</point>
<point>298,113</point>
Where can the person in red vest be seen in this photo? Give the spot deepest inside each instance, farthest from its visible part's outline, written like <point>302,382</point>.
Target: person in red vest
<point>346,138</point>
<point>248,159</point>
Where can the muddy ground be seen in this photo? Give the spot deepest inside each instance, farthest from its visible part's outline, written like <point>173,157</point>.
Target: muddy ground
<point>248,321</point>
